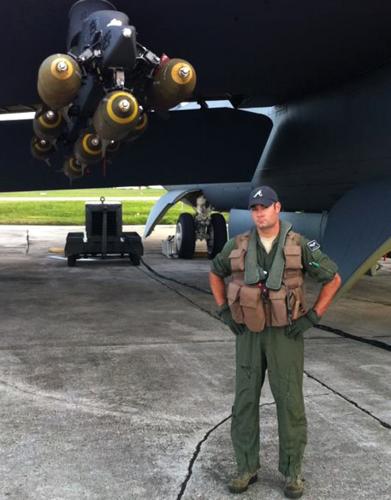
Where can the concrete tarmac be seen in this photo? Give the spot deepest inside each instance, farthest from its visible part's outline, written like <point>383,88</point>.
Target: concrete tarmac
<point>116,383</point>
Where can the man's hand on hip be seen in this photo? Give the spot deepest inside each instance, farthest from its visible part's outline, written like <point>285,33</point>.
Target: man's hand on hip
<point>302,324</point>
<point>224,313</point>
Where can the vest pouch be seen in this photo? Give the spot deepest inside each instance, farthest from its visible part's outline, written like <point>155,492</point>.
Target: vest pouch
<point>297,303</point>
<point>233,291</point>
<point>236,258</point>
<point>279,311</point>
<point>293,257</point>
<point>293,278</point>
<point>252,308</point>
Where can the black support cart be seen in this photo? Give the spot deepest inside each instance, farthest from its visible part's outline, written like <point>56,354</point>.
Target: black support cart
<point>103,235</point>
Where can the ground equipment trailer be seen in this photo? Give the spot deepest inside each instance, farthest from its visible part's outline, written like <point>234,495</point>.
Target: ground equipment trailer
<point>103,235</point>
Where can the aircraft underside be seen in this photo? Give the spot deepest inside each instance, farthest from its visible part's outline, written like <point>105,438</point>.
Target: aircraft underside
<point>325,147</point>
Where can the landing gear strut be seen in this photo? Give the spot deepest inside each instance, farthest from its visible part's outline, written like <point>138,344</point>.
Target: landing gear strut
<point>205,225</point>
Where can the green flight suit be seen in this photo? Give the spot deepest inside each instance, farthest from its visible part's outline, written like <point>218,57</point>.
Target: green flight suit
<point>283,358</point>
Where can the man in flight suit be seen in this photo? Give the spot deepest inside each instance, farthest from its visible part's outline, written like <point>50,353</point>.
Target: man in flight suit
<point>264,305</point>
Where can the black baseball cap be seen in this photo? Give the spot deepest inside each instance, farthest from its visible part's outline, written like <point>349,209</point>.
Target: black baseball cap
<point>262,195</point>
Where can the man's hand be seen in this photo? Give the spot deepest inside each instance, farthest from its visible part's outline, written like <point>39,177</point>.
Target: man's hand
<point>302,324</point>
<point>224,313</point>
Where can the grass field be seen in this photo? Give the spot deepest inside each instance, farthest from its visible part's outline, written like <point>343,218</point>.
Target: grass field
<point>88,193</point>
<point>72,212</point>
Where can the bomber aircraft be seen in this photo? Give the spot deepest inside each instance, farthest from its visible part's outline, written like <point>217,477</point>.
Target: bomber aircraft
<point>105,83</point>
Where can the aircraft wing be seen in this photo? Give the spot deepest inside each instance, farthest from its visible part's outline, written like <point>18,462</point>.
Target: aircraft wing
<point>216,145</point>
<point>262,53</point>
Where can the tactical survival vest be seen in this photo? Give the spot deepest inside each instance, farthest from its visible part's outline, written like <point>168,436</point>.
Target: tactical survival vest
<point>257,305</point>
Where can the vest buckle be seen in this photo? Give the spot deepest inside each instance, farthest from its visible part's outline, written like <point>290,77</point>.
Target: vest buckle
<point>264,291</point>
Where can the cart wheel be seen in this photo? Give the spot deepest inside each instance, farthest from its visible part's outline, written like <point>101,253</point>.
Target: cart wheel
<point>71,261</point>
<point>217,235</point>
<point>185,237</point>
<point>134,259</point>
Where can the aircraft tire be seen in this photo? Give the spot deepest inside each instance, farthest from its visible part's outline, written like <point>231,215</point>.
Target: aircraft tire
<point>185,237</point>
<point>217,235</point>
<point>134,259</point>
<point>71,261</point>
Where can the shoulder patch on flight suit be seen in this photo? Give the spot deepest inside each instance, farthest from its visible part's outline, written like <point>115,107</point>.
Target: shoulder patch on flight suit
<point>313,245</point>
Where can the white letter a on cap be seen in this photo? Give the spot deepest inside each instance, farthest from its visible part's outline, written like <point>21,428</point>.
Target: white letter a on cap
<point>258,193</point>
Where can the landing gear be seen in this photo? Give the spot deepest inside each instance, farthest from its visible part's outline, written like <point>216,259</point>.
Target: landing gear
<point>204,226</point>
<point>185,236</point>
<point>217,235</point>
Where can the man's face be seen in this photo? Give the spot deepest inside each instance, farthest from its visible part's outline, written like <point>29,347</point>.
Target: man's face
<point>266,217</point>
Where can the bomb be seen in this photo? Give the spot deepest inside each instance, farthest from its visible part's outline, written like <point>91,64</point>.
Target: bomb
<point>112,147</point>
<point>48,125</point>
<point>59,80</point>
<point>135,132</point>
<point>41,149</point>
<point>73,169</point>
<point>116,115</point>
<point>173,83</point>
<point>88,149</point>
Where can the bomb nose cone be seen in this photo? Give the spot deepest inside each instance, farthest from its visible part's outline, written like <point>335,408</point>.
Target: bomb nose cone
<point>124,105</point>
<point>88,149</point>
<point>41,149</point>
<point>73,169</point>
<point>184,72</point>
<point>48,125</point>
<point>62,66</point>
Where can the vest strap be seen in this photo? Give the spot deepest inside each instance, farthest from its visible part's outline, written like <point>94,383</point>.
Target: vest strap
<point>274,280</point>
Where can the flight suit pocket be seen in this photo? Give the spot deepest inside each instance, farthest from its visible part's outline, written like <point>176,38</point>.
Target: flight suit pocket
<point>279,311</point>
<point>237,259</point>
<point>252,308</point>
<point>233,291</point>
<point>293,257</point>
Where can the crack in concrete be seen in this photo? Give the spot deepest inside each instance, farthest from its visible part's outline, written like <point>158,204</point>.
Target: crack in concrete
<point>206,436</point>
<point>177,292</point>
<point>195,456</point>
<point>193,287</point>
<point>198,449</point>
<point>358,299</point>
<point>350,401</point>
<point>364,340</point>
